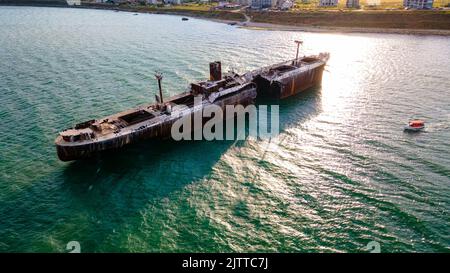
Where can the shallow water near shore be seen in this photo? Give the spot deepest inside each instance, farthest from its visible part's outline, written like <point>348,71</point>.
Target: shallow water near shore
<point>342,172</point>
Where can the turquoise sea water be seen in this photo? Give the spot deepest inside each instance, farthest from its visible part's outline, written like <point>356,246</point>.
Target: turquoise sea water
<point>341,173</point>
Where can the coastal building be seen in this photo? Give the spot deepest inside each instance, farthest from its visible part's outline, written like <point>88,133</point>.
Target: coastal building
<point>418,4</point>
<point>263,4</point>
<point>153,2</point>
<point>352,4</point>
<point>328,3</point>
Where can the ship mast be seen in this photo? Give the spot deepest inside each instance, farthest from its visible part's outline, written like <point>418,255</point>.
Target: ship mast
<point>159,77</point>
<point>298,42</point>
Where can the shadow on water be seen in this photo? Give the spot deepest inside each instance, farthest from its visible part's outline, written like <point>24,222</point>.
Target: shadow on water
<point>151,161</point>
<point>300,108</point>
<point>297,109</point>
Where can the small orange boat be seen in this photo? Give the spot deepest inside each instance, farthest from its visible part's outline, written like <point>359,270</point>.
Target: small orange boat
<point>415,125</point>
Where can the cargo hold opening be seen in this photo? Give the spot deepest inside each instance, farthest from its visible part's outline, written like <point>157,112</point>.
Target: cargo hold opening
<point>137,117</point>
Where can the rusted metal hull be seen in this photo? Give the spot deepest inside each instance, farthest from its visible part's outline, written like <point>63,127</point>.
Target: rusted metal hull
<point>291,84</point>
<point>300,82</point>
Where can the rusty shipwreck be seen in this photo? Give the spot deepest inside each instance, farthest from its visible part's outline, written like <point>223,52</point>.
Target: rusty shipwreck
<point>154,121</point>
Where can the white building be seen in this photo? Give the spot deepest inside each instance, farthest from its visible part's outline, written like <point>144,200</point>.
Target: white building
<point>153,2</point>
<point>418,4</point>
<point>352,4</point>
<point>328,3</point>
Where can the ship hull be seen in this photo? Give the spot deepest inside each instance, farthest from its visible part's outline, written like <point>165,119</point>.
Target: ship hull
<point>290,84</point>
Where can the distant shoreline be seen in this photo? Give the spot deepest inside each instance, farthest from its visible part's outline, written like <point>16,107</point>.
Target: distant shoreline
<point>319,29</point>
<point>237,19</point>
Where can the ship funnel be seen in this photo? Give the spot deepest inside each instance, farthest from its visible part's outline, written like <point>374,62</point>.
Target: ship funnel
<point>215,71</point>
